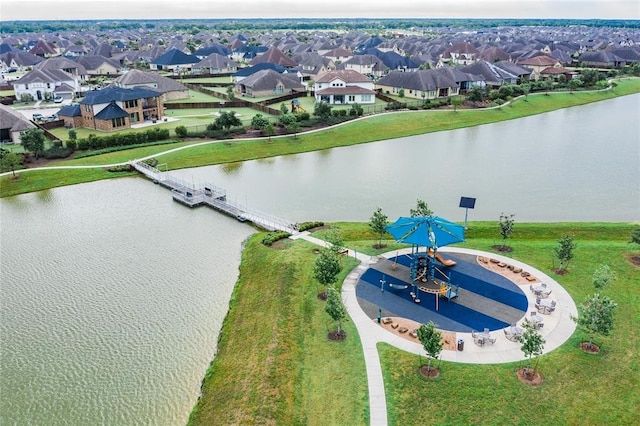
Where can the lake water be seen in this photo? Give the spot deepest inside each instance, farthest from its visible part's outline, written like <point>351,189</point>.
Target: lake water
<point>112,295</point>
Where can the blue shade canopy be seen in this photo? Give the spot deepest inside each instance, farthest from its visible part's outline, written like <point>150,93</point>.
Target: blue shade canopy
<point>428,231</point>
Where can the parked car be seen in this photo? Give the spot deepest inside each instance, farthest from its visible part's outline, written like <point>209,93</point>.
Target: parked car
<point>38,117</point>
<point>58,99</point>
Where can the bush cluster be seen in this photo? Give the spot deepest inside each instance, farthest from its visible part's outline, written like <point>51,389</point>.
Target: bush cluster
<point>55,152</point>
<point>119,169</point>
<point>272,237</point>
<point>309,225</point>
<point>122,139</point>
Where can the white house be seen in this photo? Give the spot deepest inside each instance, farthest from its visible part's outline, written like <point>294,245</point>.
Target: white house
<point>344,87</point>
<point>46,84</point>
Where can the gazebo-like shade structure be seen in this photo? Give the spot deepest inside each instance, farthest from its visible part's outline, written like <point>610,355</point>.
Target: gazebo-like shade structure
<point>430,232</point>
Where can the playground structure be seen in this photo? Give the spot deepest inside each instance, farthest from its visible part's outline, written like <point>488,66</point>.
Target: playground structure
<point>423,271</point>
<point>295,106</point>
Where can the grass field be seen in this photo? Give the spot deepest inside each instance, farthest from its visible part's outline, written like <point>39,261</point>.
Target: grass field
<point>293,375</point>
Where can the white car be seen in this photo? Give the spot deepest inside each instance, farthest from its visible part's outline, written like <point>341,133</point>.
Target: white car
<point>58,99</point>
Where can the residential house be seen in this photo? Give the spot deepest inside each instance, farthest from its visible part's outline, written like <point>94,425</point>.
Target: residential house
<point>369,65</point>
<point>99,65</point>
<point>19,60</point>
<point>311,65</point>
<point>71,115</point>
<point>422,84</point>
<point>539,63</point>
<point>492,75</point>
<point>215,63</point>
<point>170,88</point>
<point>78,71</point>
<point>601,59</point>
<point>461,53</point>
<point>217,48</point>
<point>46,84</point>
<point>11,124</point>
<point>344,87</point>
<point>523,73</point>
<point>117,108</point>
<point>338,55</point>
<point>44,49</point>
<point>243,73</point>
<point>174,60</point>
<point>274,56</point>
<point>268,83</point>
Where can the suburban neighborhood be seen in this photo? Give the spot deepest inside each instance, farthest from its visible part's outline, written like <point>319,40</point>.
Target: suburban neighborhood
<point>85,73</point>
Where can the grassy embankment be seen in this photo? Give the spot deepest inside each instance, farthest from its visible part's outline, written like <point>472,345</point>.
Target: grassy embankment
<point>369,129</point>
<point>293,375</point>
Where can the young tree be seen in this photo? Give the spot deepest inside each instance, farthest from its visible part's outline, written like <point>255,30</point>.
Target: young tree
<point>377,224</point>
<point>422,209</point>
<point>10,161</point>
<point>335,240</point>
<point>283,108</point>
<point>259,122</point>
<point>269,131</point>
<point>506,228</point>
<point>431,340</point>
<point>635,236</point>
<point>564,252</point>
<point>602,277</point>
<point>326,268</point>
<point>294,127</point>
<point>532,345</point>
<point>230,93</point>
<point>595,316</point>
<point>456,101</point>
<point>335,308</point>
<point>322,110</point>
<point>476,94</point>
<point>526,88</point>
<point>228,119</point>
<point>33,140</point>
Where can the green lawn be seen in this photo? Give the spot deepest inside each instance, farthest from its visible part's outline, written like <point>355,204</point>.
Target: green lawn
<point>274,363</point>
<point>294,375</point>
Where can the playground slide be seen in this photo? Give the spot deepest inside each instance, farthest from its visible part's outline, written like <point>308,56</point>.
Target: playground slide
<point>445,262</point>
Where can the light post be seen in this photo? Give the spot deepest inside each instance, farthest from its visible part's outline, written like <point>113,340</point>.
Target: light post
<point>382,283</point>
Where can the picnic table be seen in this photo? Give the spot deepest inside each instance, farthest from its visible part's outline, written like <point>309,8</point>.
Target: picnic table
<point>513,332</point>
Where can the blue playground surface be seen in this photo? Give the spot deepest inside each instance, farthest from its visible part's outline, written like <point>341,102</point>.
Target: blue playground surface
<point>485,299</point>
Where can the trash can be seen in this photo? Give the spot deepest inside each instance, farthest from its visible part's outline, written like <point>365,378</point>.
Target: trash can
<point>460,344</point>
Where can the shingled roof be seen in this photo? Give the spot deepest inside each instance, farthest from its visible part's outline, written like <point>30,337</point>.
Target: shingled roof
<point>424,80</point>
<point>275,56</point>
<point>113,93</point>
<point>269,79</point>
<point>111,111</point>
<point>175,57</point>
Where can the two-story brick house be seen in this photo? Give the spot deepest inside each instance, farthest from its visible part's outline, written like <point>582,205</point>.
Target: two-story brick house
<point>344,87</point>
<point>117,108</point>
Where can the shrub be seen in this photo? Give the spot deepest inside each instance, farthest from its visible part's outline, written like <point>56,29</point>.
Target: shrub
<point>303,116</point>
<point>181,131</point>
<point>272,237</point>
<point>56,152</point>
<point>309,225</point>
<point>119,169</point>
<point>72,144</point>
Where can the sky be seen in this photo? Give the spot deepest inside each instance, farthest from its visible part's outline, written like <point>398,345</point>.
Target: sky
<point>216,9</point>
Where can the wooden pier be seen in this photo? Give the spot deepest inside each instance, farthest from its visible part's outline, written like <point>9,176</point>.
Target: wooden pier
<point>195,195</point>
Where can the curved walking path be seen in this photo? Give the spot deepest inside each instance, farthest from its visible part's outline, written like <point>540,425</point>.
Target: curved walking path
<point>558,327</point>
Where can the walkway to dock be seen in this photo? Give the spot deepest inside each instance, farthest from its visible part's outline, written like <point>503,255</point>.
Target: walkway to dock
<point>198,194</point>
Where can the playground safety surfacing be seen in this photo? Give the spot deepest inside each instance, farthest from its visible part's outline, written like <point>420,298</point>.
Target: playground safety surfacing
<point>486,299</point>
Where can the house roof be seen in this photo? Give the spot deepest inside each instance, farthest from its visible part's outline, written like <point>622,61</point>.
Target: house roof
<point>275,56</point>
<point>175,57</point>
<point>246,72</point>
<point>489,72</point>
<point>161,83</point>
<point>70,111</point>
<point>13,120</point>
<point>424,80</point>
<point>269,79</point>
<point>216,61</point>
<point>113,93</point>
<point>602,56</point>
<point>348,76</point>
<point>45,76</point>
<point>213,48</point>
<point>346,90</point>
<point>111,111</point>
<point>21,58</point>
<point>539,61</point>
<point>93,62</point>
<point>61,63</point>
<point>513,68</point>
